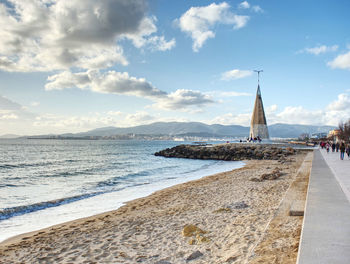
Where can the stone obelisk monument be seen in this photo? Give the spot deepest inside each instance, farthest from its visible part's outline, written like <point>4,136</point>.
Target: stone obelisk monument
<point>258,125</point>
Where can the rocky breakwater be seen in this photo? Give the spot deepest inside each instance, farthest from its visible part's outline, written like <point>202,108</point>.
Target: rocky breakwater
<point>229,152</point>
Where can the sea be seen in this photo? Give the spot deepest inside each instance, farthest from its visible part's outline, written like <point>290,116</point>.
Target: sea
<point>46,182</point>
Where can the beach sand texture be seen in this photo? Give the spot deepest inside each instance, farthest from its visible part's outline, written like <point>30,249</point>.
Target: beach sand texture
<point>228,218</point>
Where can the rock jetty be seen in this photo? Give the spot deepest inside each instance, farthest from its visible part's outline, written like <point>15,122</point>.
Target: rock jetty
<point>229,151</point>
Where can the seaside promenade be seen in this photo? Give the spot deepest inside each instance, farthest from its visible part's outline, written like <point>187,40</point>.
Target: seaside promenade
<point>326,230</point>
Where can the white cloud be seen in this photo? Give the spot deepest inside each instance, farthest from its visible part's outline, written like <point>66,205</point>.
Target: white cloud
<point>235,74</point>
<point>334,112</point>
<point>257,9</point>
<point>109,82</point>
<point>46,35</point>
<point>183,99</point>
<point>199,22</point>
<point>341,62</point>
<point>139,118</point>
<point>159,43</point>
<point>319,49</point>
<point>298,115</point>
<point>271,109</point>
<point>244,5</point>
<point>232,119</point>
<point>7,116</point>
<point>143,36</point>
<point>341,104</point>
<point>121,83</point>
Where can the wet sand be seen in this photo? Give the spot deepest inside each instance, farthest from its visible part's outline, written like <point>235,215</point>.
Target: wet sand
<point>221,218</point>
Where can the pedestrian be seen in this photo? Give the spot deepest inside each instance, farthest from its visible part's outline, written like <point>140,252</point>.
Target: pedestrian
<point>337,146</point>
<point>327,147</point>
<point>333,147</point>
<point>342,150</point>
<point>348,150</point>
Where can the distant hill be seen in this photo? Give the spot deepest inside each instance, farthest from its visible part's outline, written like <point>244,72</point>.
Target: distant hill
<point>193,129</point>
<point>293,131</point>
<point>170,128</point>
<point>9,136</point>
<point>200,129</point>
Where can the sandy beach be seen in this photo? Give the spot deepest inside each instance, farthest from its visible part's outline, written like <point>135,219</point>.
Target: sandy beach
<point>231,217</point>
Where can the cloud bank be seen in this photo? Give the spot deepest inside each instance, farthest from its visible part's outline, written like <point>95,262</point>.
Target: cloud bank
<point>336,111</point>
<point>113,82</point>
<point>47,35</point>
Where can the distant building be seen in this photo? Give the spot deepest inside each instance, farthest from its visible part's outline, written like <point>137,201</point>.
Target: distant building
<point>319,135</point>
<point>334,135</point>
<point>304,136</point>
<point>258,125</point>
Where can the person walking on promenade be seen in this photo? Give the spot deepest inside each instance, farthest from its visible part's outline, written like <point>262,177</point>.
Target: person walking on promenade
<point>327,147</point>
<point>348,150</point>
<point>337,146</point>
<point>333,147</point>
<point>342,150</point>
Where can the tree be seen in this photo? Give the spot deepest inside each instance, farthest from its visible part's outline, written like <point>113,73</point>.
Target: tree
<point>344,131</point>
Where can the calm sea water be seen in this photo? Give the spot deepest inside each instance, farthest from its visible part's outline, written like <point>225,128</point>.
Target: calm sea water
<point>46,182</point>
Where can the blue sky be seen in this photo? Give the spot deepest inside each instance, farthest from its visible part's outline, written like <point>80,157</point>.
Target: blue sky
<point>71,66</point>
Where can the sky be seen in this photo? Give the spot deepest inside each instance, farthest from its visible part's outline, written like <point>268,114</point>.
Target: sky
<point>76,65</point>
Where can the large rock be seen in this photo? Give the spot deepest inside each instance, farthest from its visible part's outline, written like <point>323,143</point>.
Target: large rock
<point>228,152</point>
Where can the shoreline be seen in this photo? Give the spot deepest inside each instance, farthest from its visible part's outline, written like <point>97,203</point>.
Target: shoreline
<point>112,200</point>
<point>228,206</point>
<point>18,237</point>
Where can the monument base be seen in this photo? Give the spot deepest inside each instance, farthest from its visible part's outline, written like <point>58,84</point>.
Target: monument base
<point>259,130</point>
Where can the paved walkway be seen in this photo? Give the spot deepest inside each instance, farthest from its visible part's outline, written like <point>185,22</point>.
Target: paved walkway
<point>340,169</point>
<point>325,236</point>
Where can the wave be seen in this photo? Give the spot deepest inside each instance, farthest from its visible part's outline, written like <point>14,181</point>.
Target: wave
<point>38,164</point>
<point>24,209</point>
<point>25,165</point>
<point>11,185</point>
<point>10,212</point>
<point>132,177</point>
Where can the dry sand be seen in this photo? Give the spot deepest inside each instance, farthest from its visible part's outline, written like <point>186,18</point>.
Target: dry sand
<point>229,219</point>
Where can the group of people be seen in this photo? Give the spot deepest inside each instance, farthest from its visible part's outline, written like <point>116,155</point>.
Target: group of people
<point>255,139</point>
<point>338,147</point>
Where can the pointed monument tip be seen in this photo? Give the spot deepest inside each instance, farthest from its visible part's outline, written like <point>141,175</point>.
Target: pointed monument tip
<point>258,91</point>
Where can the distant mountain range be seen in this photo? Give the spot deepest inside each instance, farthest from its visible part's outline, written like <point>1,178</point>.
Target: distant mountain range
<point>172,129</point>
<point>9,136</point>
<point>195,129</point>
<point>203,130</point>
